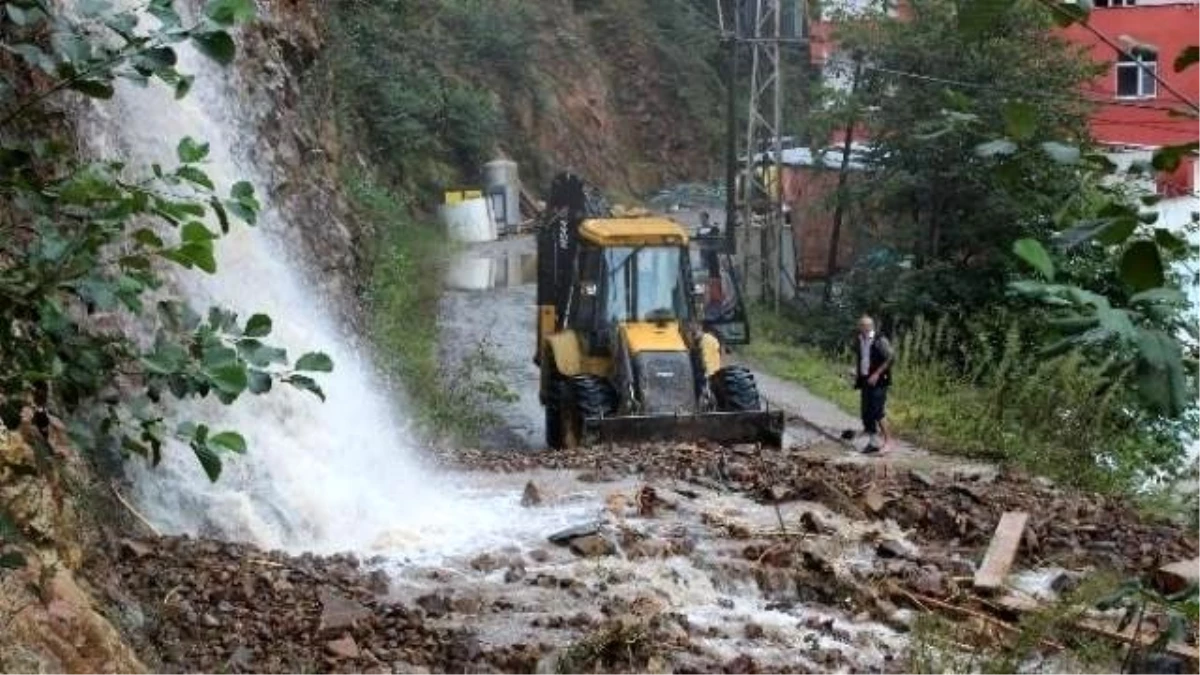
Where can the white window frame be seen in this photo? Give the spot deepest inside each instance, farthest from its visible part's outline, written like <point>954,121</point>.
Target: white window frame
<point>1146,70</point>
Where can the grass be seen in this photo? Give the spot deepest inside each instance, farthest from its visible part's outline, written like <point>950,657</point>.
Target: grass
<point>942,645</point>
<point>1059,417</point>
<point>402,305</point>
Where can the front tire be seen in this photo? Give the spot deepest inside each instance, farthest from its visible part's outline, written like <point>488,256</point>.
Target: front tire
<point>572,400</point>
<point>735,390</point>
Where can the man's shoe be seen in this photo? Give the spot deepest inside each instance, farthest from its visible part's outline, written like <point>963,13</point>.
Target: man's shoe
<point>871,450</point>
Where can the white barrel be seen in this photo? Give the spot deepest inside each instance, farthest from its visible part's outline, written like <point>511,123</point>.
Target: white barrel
<point>469,221</point>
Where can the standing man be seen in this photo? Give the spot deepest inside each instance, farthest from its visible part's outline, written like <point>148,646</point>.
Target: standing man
<point>873,365</point>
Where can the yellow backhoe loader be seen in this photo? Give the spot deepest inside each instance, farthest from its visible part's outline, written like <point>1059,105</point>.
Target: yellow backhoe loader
<point>625,351</point>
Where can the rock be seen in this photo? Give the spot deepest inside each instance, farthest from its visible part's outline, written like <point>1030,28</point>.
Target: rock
<point>564,537</point>
<point>873,499</point>
<point>1177,576</point>
<point>592,546</point>
<point>538,555</point>
<point>921,478</point>
<point>646,501</point>
<point>1155,664</point>
<point>466,604</point>
<point>60,632</point>
<point>344,647</point>
<point>209,620</point>
<point>339,612</point>
<point>435,604</point>
<point>1065,582</point>
<point>514,573</point>
<point>378,582</point>
<point>531,496</point>
<point>741,664</point>
<point>890,548</point>
<point>131,548</point>
<point>406,667</point>
<point>484,563</point>
<point>753,631</point>
<point>931,583</point>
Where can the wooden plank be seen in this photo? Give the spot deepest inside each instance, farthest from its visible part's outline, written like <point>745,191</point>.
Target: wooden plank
<point>1022,605</point>
<point>1001,552</point>
<point>1177,576</point>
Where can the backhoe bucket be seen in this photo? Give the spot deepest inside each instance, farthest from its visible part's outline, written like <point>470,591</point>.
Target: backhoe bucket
<point>725,428</point>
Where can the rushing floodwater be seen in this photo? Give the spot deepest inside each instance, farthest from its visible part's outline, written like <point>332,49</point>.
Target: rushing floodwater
<point>334,476</point>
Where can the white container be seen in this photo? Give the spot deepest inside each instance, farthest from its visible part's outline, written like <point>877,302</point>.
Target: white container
<point>502,173</point>
<point>469,221</point>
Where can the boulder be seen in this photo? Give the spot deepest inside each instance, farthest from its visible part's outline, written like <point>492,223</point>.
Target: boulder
<point>592,546</point>
<point>339,612</point>
<point>344,648</point>
<point>1177,576</point>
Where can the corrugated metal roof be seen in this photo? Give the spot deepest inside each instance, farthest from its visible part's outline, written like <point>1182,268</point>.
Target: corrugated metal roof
<point>829,158</point>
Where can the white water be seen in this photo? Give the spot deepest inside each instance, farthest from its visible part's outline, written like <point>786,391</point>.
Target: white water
<point>342,475</point>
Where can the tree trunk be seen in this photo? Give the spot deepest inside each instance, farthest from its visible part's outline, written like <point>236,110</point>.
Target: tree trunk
<point>843,173</point>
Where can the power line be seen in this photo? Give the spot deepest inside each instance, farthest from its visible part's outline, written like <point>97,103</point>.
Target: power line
<point>1009,91</point>
<point>1123,52</point>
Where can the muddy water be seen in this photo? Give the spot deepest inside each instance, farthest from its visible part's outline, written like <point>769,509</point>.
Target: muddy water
<point>548,594</point>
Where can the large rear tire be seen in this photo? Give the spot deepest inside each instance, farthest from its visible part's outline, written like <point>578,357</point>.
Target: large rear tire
<point>735,390</point>
<point>572,400</point>
<point>558,398</point>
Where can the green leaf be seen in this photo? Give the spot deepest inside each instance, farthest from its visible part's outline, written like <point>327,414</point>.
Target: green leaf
<point>194,175</point>
<point>184,86</point>
<point>1117,231</point>
<point>209,460</point>
<point>193,253</point>
<point>167,358</point>
<point>218,355</point>
<point>1187,57</point>
<point>242,190</point>
<point>1162,381</point>
<point>12,560</point>
<point>315,362</point>
<point>148,238</point>
<point>93,88</point>
<point>306,383</point>
<point>222,217</point>
<point>1067,13</point>
<point>231,379</point>
<point>190,151</point>
<point>1167,158</point>
<point>216,45</point>
<point>1159,296</point>
<point>1000,146</point>
<point>196,231</point>
<point>260,382</point>
<point>1169,240</point>
<point>976,16</point>
<point>260,355</point>
<point>229,12</point>
<point>1061,152</point>
<point>229,440</point>
<point>1033,253</point>
<point>258,325</point>
<point>1141,266</point>
<point>1020,119</point>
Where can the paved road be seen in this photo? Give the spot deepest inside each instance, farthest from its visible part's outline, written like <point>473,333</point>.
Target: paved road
<point>489,303</point>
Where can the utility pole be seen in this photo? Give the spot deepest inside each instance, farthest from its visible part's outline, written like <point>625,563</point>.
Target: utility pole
<point>759,26</point>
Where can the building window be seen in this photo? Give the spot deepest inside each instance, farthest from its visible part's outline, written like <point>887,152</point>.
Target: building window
<point>1115,3</point>
<point>1135,74</point>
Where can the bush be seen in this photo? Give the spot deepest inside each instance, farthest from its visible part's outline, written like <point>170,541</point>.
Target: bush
<point>402,303</point>
<point>986,392</point>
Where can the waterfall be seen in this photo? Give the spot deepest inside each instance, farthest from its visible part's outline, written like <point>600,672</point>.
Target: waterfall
<point>339,475</point>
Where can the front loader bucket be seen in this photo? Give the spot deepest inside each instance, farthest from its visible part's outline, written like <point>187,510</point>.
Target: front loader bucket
<point>725,428</point>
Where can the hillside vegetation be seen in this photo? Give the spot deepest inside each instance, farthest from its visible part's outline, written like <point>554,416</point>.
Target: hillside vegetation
<point>625,91</point>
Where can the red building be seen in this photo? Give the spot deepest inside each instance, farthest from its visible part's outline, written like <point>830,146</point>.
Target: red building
<point>1133,110</point>
<point>1132,115</point>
